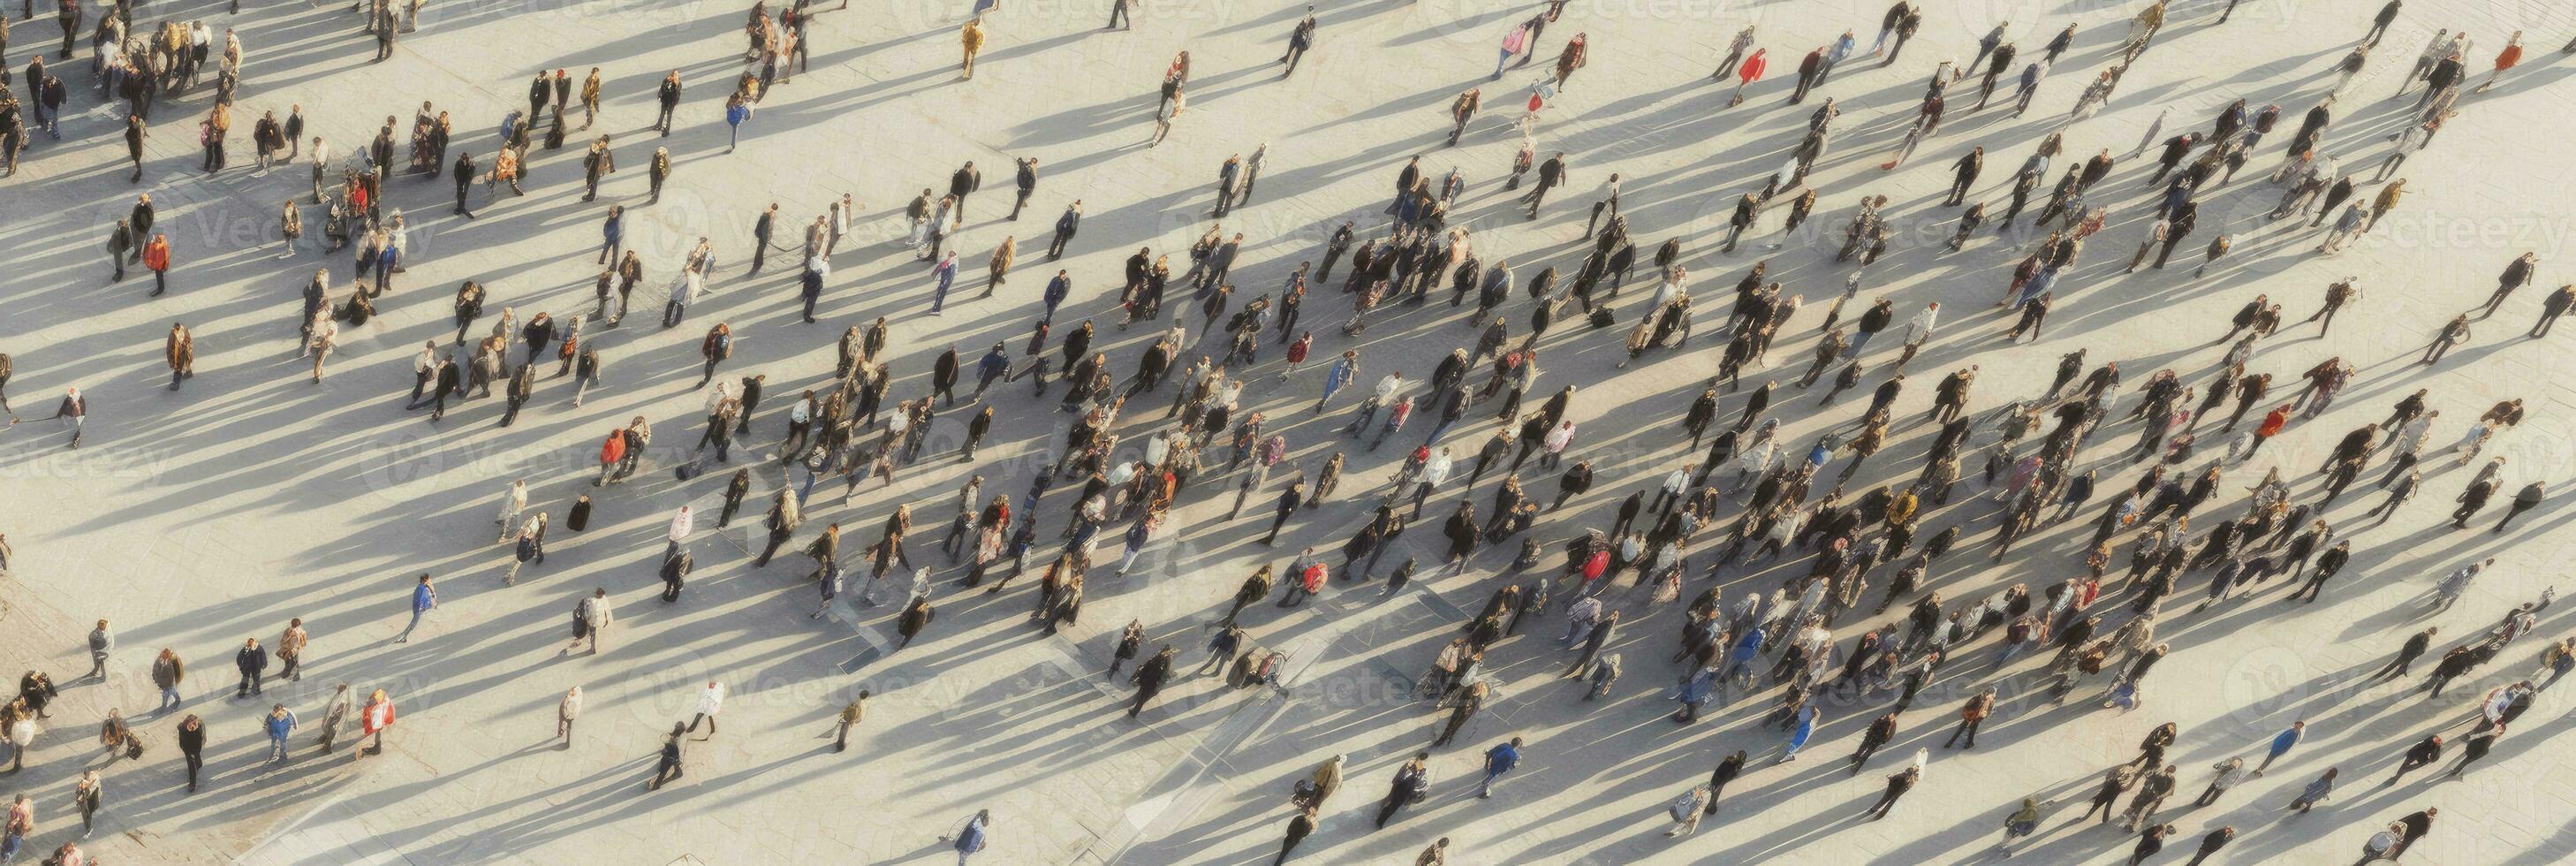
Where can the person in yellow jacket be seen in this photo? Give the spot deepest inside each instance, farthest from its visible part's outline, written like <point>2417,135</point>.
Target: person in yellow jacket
<point>2386,201</point>
<point>972,38</point>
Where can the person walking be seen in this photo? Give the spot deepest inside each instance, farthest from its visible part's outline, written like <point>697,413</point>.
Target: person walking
<point>156,255</point>
<point>737,112</point>
<point>424,598</point>
<point>1897,786</point>
<point>192,747</point>
<point>252,661</point>
<point>531,545</point>
<point>1972,715</point>
<point>167,674</point>
<point>1411,783</point>
<point>849,718</point>
<point>89,795</point>
<point>566,711</point>
<point>2281,744</point>
<point>594,616</point>
<point>971,39</point>
<point>974,837</point>
<point>373,718</point>
<point>2423,753</point>
<point>101,642</point>
<point>1499,761</point>
<point>2473,749</point>
<point>279,723</point>
<point>1300,826</point>
<point>710,703</point>
<point>2225,774</point>
<point>2526,499</point>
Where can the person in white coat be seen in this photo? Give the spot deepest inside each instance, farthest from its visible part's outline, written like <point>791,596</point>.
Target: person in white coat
<point>684,289</point>
<point>681,525</point>
<point>710,702</point>
<point>513,504</point>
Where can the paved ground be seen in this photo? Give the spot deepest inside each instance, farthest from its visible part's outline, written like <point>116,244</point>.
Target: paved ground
<point>196,518</point>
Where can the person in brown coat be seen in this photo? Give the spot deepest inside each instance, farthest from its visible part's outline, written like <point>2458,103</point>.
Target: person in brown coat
<point>180,351</point>
<point>1570,59</point>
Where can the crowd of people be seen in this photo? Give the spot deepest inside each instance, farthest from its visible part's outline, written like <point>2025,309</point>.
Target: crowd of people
<point>1793,576</point>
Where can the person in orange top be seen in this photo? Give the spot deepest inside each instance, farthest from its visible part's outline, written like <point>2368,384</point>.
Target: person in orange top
<point>2505,59</point>
<point>611,453</point>
<point>156,255</point>
<point>2270,427</point>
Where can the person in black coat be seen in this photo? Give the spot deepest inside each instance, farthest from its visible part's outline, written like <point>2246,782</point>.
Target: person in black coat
<point>1299,827</point>
<point>916,616</point>
<point>2328,563</point>
<point>253,661</point>
<point>451,379</point>
<point>1897,785</point>
<point>1551,174</point>
<point>2424,753</point>
<point>1028,183</point>
<point>965,181</point>
<point>192,746</point>
<point>1149,679</point>
<point>1462,532</point>
<point>675,572</point>
<point>1576,481</point>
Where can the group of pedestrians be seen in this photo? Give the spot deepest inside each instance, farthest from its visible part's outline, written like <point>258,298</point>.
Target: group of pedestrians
<point>1824,591</point>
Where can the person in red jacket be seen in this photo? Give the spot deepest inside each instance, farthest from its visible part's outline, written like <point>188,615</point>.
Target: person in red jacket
<point>1297,352</point>
<point>1747,73</point>
<point>156,255</point>
<point>611,453</point>
<point>2271,426</point>
<point>374,718</point>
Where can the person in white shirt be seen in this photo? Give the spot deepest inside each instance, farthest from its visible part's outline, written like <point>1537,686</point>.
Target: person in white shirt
<point>681,525</point>
<point>710,702</point>
<point>424,367</point>
<point>684,290</point>
<point>1919,328</point>
<point>1434,474</point>
<point>398,236</point>
<point>595,617</point>
<point>1675,485</point>
<point>1555,444</point>
<point>800,426</point>
<point>321,164</point>
<point>513,504</point>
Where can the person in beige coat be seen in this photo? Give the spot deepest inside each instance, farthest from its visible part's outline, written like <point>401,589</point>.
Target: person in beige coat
<point>566,711</point>
<point>1001,264</point>
<point>290,649</point>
